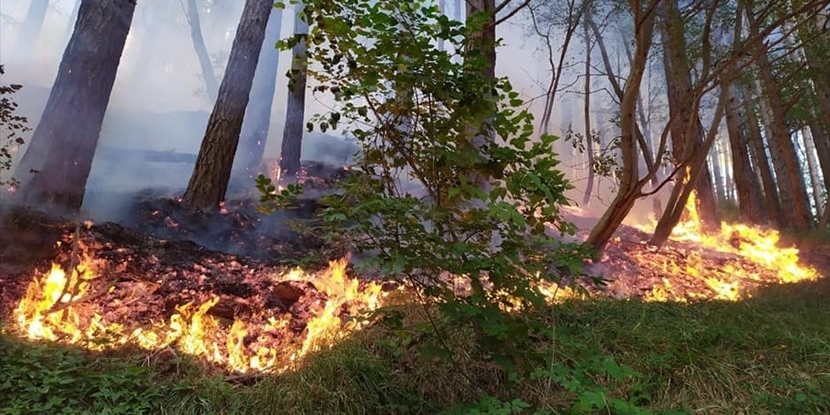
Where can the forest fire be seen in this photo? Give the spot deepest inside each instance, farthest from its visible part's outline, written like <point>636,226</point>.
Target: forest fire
<point>734,248</point>
<point>55,309</point>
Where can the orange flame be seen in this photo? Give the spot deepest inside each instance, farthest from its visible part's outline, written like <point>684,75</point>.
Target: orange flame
<point>758,246</point>
<point>191,329</point>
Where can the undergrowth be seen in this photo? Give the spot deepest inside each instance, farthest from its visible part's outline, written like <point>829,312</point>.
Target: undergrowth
<point>766,355</point>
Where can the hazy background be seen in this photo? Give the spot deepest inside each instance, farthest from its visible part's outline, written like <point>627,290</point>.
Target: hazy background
<point>158,101</point>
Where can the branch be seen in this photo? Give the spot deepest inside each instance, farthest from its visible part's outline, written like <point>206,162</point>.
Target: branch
<point>508,15</point>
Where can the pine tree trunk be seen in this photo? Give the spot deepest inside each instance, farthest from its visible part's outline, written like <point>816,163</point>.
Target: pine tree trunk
<point>792,189</point>
<point>761,162</point>
<point>56,165</point>
<point>209,181</point>
<point>211,88</point>
<point>812,169</point>
<point>292,137</point>
<point>30,30</point>
<point>821,142</point>
<point>750,206</point>
<point>257,121</point>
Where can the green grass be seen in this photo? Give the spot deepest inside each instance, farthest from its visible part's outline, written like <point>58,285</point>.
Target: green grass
<point>766,355</point>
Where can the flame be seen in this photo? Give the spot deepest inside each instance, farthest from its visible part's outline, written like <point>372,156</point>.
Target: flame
<point>758,246</point>
<point>51,310</point>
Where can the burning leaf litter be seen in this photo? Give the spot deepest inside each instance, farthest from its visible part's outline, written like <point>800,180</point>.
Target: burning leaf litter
<point>244,316</point>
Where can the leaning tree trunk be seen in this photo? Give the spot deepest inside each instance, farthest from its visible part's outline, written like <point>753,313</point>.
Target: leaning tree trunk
<point>56,165</point>
<point>257,121</point>
<point>210,177</point>
<point>201,50</point>
<point>292,136</point>
<point>30,30</point>
<point>630,184</point>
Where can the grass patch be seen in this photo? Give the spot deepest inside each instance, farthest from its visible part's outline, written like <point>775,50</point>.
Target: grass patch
<point>766,355</point>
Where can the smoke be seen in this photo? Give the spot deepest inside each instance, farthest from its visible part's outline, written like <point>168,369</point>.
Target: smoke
<point>159,108</point>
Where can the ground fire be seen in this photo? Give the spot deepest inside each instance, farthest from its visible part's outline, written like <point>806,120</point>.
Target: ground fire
<point>127,289</point>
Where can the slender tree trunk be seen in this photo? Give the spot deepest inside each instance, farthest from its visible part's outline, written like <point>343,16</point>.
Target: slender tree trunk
<point>292,137</point>
<point>791,187</point>
<point>485,41</point>
<point>586,113</point>
<point>630,185</point>
<point>762,163</point>
<point>812,169</point>
<point>686,130</point>
<point>32,24</point>
<point>199,46</point>
<point>642,143</point>
<point>56,165</point>
<point>257,121</point>
<point>750,208</point>
<point>210,177</point>
<point>821,143</point>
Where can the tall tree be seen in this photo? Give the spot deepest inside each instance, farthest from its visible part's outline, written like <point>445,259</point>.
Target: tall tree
<point>631,186</point>
<point>56,165</point>
<point>750,202</point>
<point>791,186</point>
<point>687,134</point>
<point>32,24</point>
<point>209,181</point>
<point>200,48</point>
<point>292,136</point>
<point>257,121</point>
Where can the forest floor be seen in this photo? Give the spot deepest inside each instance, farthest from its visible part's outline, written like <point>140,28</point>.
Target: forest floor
<point>175,311</point>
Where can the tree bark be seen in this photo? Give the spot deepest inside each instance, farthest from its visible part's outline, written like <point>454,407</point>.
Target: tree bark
<point>30,30</point>
<point>761,162</point>
<point>686,129</point>
<point>630,185</point>
<point>56,165</point>
<point>792,189</point>
<point>750,205</point>
<point>200,48</point>
<point>812,169</point>
<point>209,181</point>
<point>257,121</point>
<point>292,136</point>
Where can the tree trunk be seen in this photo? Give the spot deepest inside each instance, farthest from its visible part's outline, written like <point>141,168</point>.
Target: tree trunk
<point>201,50</point>
<point>257,121</point>
<point>56,165</point>
<point>750,208</point>
<point>812,169</point>
<point>821,142</point>
<point>30,30</point>
<point>644,145</point>
<point>792,189</point>
<point>485,40</point>
<point>761,162</point>
<point>686,129</point>
<point>586,113</point>
<point>292,136</point>
<point>210,177</point>
<point>630,185</point>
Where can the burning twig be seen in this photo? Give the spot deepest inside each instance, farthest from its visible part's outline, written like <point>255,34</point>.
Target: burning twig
<point>70,286</point>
